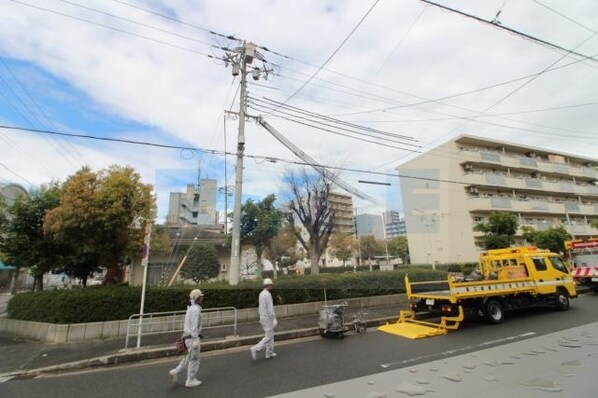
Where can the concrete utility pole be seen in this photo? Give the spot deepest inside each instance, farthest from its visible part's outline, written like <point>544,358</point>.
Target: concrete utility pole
<point>243,57</point>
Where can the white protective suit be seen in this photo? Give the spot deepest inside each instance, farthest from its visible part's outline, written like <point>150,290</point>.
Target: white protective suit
<point>192,328</point>
<point>268,322</point>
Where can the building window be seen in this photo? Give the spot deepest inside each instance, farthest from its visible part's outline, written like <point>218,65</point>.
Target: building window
<point>194,214</point>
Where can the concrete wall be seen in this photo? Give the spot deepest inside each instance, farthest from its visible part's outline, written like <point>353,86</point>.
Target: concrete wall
<point>56,333</point>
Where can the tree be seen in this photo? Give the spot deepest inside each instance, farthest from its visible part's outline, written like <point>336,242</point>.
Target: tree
<point>309,205</point>
<point>552,239</point>
<point>260,222</point>
<point>283,248</point>
<point>202,263</point>
<point>26,245</point>
<point>104,214</point>
<point>370,247</point>
<point>499,231</point>
<point>161,243</point>
<point>342,245</point>
<point>399,247</point>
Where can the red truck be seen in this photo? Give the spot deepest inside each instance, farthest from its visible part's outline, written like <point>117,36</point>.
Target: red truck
<point>582,254</point>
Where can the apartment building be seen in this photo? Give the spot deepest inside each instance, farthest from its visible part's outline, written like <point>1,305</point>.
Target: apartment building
<point>343,212</point>
<point>394,224</point>
<point>451,188</point>
<point>196,206</point>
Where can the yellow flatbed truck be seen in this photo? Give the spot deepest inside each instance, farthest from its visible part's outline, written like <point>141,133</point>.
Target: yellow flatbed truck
<point>505,279</point>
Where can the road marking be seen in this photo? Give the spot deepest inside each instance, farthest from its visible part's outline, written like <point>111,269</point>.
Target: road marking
<point>4,379</point>
<point>455,351</point>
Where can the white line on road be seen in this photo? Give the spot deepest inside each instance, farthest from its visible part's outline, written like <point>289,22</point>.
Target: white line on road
<point>458,350</point>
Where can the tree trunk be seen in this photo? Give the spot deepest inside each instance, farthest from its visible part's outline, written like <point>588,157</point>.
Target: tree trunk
<point>259,264</point>
<point>39,283</point>
<point>14,280</point>
<point>315,263</point>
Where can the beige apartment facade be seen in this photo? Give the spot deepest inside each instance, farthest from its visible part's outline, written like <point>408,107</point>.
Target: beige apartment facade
<point>451,188</point>
<point>342,205</point>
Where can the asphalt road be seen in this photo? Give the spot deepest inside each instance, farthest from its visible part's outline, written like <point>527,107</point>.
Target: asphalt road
<point>305,363</point>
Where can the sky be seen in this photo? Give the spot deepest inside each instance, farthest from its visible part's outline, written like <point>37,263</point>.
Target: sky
<point>359,86</point>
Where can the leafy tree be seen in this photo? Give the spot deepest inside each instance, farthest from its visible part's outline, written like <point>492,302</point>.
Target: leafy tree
<point>370,247</point>
<point>499,231</point>
<point>595,223</point>
<point>399,247</point>
<point>342,246</point>
<point>161,243</point>
<point>260,223</point>
<point>552,239</point>
<point>202,263</point>
<point>283,248</point>
<point>309,205</point>
<point>26,245</point>
<point>104,215</point>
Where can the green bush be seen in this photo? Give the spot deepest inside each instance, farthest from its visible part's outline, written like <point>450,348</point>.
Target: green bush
<point>114,303</point>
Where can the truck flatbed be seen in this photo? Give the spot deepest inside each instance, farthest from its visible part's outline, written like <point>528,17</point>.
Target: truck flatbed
<point>470,289</point>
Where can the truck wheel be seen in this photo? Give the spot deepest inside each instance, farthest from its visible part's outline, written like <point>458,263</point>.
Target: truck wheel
<point>494,311</point>
<point>561,300</point>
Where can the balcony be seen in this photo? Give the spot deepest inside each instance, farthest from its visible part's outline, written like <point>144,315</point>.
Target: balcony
<point>506,203</point>
<point>534,164</point>
<point>528,183</point>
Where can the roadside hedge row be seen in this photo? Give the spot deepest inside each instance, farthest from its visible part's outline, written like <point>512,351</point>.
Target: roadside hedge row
<point>95,304</point>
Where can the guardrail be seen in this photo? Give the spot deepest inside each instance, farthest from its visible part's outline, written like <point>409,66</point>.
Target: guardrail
<point>172,321</point>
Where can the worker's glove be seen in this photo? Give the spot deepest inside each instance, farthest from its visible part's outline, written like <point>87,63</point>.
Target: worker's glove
<point>274,323</point>
<point>195,344</point>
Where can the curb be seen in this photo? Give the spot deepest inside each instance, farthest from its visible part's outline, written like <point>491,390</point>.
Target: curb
<point>143,354</point>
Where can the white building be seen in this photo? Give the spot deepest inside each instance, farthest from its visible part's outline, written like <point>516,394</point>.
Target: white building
<point>451,188</point>
<point>196,206</point>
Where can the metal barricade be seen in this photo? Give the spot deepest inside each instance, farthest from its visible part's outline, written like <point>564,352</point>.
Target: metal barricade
<point>172,321</point>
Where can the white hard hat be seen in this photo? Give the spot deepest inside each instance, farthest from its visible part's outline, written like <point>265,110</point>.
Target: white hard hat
<point>267,281</point>
<point>195,293</point>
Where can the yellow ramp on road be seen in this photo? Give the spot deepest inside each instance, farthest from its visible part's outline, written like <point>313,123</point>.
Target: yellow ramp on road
<point>407,326</point>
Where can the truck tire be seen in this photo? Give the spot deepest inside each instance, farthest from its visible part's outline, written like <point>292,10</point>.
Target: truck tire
<point>494,311</point>
<point>561,300</point>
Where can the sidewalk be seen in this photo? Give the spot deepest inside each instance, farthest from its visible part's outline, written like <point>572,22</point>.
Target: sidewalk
<point>23,358</point>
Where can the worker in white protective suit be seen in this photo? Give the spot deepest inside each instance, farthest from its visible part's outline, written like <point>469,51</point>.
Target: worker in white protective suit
<point>268,322</point>
<point>191,335</point>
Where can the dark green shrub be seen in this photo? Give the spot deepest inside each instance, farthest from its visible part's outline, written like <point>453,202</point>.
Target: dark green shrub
<point>114,303</point>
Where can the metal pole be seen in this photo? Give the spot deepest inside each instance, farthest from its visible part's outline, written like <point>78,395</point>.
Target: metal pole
<point>144,264</point>
<point>358,240</point>
<point>385,240</point>
<point>236,236</point>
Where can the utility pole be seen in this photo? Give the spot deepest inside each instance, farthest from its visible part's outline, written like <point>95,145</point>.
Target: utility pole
<point>239,59</point>
<point>358,240</point>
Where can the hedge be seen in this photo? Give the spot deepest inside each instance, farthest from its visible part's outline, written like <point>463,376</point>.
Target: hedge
<point>96,304</point>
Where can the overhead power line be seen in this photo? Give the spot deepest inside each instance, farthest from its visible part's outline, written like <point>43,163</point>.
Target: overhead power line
<point>510,30</point>
<point>333,53</point>
<point>177,20</point>
<point>565,16</point>
<point>138,23</point>
<point>271,159</point>
<point>191,50</point>
<point>410,140</point>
